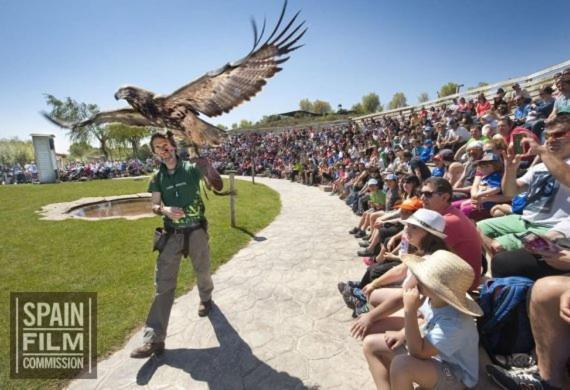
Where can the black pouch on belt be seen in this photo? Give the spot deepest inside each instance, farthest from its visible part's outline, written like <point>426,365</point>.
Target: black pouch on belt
<point>160,238</point>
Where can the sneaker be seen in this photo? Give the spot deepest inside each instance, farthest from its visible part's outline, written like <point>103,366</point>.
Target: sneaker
<point>367,237</point>
<point>360,234</point>
<point>364,244</point>
<point>147,349</point>
<point>516,360</point>
<point>341,287</point>
<point>354,230</point>
<point>509,380</point>
<point>365,253</point>
<point>361,309</point>
<point>351,301</point>
<point>204,308</point>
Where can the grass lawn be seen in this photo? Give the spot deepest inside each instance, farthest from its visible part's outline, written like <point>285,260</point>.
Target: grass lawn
<point>112,258</point>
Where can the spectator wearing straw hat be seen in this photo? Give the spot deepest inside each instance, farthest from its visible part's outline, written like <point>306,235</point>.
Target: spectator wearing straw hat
<point>445,354</point>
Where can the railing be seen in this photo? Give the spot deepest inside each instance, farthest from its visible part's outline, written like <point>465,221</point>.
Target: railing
<point>532,83</point>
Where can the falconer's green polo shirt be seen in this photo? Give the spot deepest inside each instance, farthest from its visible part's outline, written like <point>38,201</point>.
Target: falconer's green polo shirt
<point>180,189</point>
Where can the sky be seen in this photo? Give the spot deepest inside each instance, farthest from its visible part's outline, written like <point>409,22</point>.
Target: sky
<point>88,49</point>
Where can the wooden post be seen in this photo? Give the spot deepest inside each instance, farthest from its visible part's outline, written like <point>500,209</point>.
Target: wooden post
<point>232,198</point>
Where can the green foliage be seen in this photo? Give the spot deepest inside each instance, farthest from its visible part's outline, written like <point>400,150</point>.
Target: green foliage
<point>81,151</point>
<point>357,108</point>
<point>448,89</point>
<point>371,103</point>
<point>110,257</point>
<point>70,110</point>
<point>321,107</point>
<point>479,85</point>
<point>221,126</point>
<point>398,101</point>
<point>14,151</point>
<point>245,124</point>
<point>306,105</point>
<point>121,134</point>
<point>424,97</point>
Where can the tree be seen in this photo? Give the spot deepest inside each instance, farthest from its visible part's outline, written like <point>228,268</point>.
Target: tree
<point>357,108</point>
<point>306,105</point>
<point>448,89</point>
<point>371,103</point>
<point>223,127</point>
<point>424,97</point>
<point>81,151</point>
<point>479,85</point>
<point>398,101</point>
<point>245,124</point>
<point>132,135</point>
<point>321,107</point>
<point>70,110</point>
<point>14,151</point>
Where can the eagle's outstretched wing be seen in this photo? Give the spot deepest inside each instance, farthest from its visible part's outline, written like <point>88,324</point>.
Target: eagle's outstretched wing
<point>127,116</point>
<point>221,90</point>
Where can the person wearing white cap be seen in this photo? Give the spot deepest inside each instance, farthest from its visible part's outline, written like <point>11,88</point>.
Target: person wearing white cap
<point>424,230</point>
<point>445,355</point>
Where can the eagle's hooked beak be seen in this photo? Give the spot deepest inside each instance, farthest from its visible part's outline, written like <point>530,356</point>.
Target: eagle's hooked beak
<point>122,93</point>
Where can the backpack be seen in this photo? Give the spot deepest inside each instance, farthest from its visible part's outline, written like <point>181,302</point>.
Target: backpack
<point>504,328</point>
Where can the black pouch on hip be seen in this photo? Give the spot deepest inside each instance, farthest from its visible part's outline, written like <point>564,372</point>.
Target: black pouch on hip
<point>159,239</point>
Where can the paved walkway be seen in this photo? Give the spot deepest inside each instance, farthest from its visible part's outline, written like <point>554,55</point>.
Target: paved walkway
<point>279,322</point>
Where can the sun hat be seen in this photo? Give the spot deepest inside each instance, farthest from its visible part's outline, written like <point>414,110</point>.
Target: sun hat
<point>372,182</point>
<point>475,144</point>
<point>391,176</point>
<point>429,220</point>
<point>447,276</point>
<point>411,204</point>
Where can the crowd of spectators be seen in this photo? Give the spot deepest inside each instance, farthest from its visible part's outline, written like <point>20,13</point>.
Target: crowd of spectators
<point>78,170</point>
<point>453,201</point>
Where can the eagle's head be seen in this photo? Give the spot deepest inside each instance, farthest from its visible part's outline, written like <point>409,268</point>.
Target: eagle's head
<point>130,93</point>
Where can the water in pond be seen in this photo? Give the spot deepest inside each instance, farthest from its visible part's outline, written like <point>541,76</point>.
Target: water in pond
<point>138,207</point>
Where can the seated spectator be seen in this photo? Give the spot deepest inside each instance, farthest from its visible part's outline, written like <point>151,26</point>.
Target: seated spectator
<point>562,103</point>
<point>418,166</point>
<point>537,261</point>
<point>442,160</point>
<point>476,135</point>
<point>522,109</point>
<point>462,237</point>
<point>540,111</point>
<point>461,176</point>
<point>549,314</point>
<point>392,193</point>
<point>424,232</point>
<point>482,105</point>
<point>445,355</point>
<point>516,92</point>
<point>486,185</point>
<point>427,152</point>
<point>499,99</point>
<point>376,201</point>
<point>547,201</point>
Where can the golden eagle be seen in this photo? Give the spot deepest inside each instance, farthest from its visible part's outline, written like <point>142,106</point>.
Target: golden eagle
<point>214,93</point>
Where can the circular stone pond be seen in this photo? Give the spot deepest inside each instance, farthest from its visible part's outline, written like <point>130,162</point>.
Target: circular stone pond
<point>133,206</point>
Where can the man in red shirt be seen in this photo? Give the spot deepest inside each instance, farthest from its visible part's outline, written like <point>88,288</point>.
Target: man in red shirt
<point>462,236</point>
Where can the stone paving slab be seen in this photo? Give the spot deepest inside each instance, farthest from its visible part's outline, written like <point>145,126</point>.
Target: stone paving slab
<point>279,322</point>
